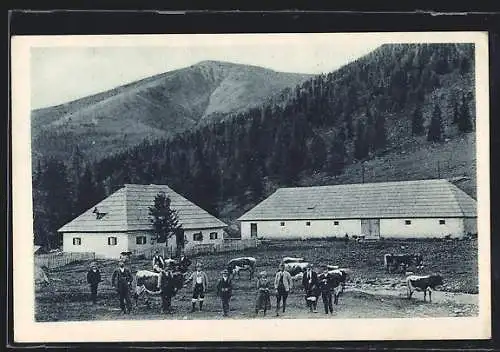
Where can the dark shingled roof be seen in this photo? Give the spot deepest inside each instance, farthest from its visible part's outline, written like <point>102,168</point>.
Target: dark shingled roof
<point>423,198</point>
<point>128,210</point>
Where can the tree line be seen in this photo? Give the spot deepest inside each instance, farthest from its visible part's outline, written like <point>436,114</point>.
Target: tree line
<point>321,126</point>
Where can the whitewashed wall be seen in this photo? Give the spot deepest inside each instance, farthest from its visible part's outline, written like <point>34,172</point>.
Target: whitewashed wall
<point>299,229</point>
<point>389,228</point>
<point>421,228</point>
<point>132,240</point>
<point>470,225</point>
<point>97,243</point>
<point>206,237</point>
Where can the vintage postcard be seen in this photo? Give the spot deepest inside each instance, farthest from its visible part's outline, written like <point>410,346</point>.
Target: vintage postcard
<point>251,187</point>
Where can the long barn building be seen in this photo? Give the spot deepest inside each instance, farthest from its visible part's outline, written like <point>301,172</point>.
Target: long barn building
<point>407,209</point>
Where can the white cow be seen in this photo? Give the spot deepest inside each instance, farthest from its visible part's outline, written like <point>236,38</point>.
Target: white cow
<point>287,260</point>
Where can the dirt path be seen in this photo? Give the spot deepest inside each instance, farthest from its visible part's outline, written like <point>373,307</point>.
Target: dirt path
<point>437,296</point>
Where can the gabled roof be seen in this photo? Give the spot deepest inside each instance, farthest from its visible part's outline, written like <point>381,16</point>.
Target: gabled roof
<point>423,198</point>
<point>128,210</point>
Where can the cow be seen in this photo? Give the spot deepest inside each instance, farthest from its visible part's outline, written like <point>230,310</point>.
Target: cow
<point>234,266</point>
<point>402,261</point>
<point>423,283</point>
<point>287,260</point>
<point>331,281</point>
<point>344,276</point>
<point>147,282</point>
<point>296,268</point>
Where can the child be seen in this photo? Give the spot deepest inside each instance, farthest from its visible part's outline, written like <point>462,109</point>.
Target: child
<point>224,290</point>
<point>93,278</point>
<point>263,299</point>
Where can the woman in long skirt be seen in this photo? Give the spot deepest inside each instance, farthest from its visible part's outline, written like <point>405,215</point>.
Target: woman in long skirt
<point>263,300</point>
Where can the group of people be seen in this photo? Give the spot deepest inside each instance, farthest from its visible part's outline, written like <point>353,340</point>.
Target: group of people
<point>314,285</point>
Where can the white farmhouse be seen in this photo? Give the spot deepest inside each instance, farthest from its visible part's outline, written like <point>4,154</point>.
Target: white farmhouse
<point>408,209</point>
<point>121,223</point>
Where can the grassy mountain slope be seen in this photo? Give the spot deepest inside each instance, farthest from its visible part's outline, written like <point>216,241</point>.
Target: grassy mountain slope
<point>158,106</point>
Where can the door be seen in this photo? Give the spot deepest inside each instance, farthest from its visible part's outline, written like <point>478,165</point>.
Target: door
<point>253,230</point>
<point>370,227</point>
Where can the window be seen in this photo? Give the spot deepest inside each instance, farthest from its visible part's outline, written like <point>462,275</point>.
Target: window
<point>112,241</point>
<point>336,223</point>
<point>308,223</point>
<point>282,223</point>
<point>213,235</point>
<point>407,222</point>
<point>442,222</point>
<point>77,241</point>
<point>198,236</point>
<point>140,240</point>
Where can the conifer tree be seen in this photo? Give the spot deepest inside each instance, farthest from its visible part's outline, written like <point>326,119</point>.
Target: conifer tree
<point>417,122</point>
<point>164,219</point>
<point>435,133</point>
<point>464,119</point>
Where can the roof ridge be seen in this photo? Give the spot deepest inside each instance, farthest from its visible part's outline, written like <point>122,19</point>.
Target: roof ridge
<point>369,183</point>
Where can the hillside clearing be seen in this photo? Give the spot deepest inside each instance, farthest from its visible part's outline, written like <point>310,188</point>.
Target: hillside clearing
<point>370,292</point>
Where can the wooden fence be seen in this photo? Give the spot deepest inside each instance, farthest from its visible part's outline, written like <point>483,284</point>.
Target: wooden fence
<point>200,249</point>
<point>54,260</point>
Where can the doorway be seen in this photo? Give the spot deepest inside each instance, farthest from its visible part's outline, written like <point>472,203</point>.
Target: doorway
<point>370,227</point>
<point>253,230</point>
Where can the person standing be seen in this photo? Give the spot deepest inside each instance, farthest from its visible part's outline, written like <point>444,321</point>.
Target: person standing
<point>325,289</point>
<point>200,284</point>
<point>167,286</point>
<point>225,290</point>
<point>93,279</point>
<point>158,260</point>
<point>310,284</point>
<point>263,301</point>
<point>122,281</point>
<point>282,285</point>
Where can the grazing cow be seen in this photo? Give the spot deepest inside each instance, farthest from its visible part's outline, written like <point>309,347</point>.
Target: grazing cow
<point>296,268</point>
<point>330,283</point>
<point>402,261</point>
<point>234,266</point>
<point>423,283</point>
<point>147,282</point>
<point>344,276</point>
<point>287,260</point>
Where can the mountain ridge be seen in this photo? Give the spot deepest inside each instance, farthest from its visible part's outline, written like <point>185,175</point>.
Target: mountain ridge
<point>158,106</point>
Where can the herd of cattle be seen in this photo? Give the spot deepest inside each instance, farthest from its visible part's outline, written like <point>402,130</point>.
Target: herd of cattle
<point>147,281</point>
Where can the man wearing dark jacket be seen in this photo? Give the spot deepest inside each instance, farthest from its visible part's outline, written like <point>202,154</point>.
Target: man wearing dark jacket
<point>122,281</point>
<point>93,279</point>
<point>310,284</point>
<point>167,285</point>
<point>225,290</point>
<point>324,284</point>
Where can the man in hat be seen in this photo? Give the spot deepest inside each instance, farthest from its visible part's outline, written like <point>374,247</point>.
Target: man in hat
<point>122,281</point>
<point>167,286</point>
<point>200,284</point>
<point>282,285</point>
<point>310,284</point>
<point>225,290</point>
<point>93,279</point>
<point>325,289</point>
<point>158,260</point>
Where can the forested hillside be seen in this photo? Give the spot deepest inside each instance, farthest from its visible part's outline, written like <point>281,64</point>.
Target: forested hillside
<point>398,95</point>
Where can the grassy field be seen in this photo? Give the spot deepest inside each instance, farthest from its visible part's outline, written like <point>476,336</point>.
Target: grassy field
<point>370,292</point>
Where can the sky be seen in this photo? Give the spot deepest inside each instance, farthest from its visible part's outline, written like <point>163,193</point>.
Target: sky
<point>67,70</point>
